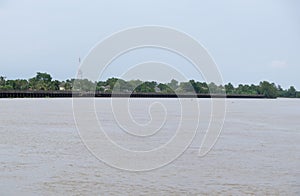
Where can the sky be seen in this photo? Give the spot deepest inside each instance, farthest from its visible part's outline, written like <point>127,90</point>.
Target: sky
<point>249,40</point>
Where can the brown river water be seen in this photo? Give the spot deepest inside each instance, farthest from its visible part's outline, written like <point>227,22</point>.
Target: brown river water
<point>258,152</point>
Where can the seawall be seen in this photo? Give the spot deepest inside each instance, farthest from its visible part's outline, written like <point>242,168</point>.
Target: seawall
<point>64,94</point>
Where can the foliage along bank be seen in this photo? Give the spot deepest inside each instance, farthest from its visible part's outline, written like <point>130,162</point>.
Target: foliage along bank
<point>44,81</point>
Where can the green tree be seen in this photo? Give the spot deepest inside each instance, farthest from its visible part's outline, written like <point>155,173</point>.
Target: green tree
<point>123,86</point>
<point>173,84</point>
<point>68,85</point>
<point>195,86</point>
<point>213,88</point>
<point>6,87</point>
<point>42,81</point>
<point>185,87</point>
<point>44,77</point>
<point>111,82</point>
<point>146,87</point>
<point>164,88</point>
<point>54,86</point>
<point>20,84</point>
<point>84,85</point>
<point>254,89</point>
<point>268,90</point>
<point>229,88</point>
<point>291,92</point>
<point>203,87</point>
<point>2,80</point>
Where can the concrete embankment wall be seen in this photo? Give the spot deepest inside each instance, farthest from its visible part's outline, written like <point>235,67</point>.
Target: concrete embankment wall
<point>58,94</point>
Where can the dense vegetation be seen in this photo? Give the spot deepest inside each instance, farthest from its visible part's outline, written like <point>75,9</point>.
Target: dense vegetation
<point>44,81</point>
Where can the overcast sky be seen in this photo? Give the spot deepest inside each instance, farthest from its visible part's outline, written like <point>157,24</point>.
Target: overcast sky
<point>250,41</point>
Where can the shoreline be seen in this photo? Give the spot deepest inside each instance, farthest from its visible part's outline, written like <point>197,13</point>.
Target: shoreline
<point>70,94</point>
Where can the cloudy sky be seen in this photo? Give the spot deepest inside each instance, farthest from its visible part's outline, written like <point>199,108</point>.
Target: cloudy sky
<point>250,40</point>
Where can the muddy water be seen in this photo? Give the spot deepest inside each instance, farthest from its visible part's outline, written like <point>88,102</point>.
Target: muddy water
<point>258,152</point>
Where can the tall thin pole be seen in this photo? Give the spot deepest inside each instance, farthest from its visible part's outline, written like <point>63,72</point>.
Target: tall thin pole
<point>80,74</point>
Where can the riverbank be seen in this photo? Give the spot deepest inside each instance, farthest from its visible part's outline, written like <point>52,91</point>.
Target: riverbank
<point>66,94</point>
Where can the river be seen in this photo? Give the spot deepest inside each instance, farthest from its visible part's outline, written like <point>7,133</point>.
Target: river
<point>258,152</point>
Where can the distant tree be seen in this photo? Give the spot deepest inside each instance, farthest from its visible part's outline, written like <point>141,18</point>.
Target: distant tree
<point>123,86</point>
<point>54,85</point>
<point>146,87</point>
<point>186,87</point>
<point>213,88</point>
<point>291,92</point>
<point>100,86</point>
<point>164,88</point>
<point>268,90</point>
<point>195,86</point>
<point>87,85</point>
<point>2,80</point>
<point>84,85</point>
<point>203,87</point>
<point>68,85</point>
<point>134,84</point>
<point>254,89</point>
<point>111,82</point>
<point>280,91</point>
<point>20,84</point>
<point>44,77</point>
<point>32,83</point>
<point>6,87</point>
<point>173,84</point>
<point>229,88</point>
<point>42,81</point>
<point>246,89</point>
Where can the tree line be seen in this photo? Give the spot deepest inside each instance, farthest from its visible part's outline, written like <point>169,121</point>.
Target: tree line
<point>44,81</point>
